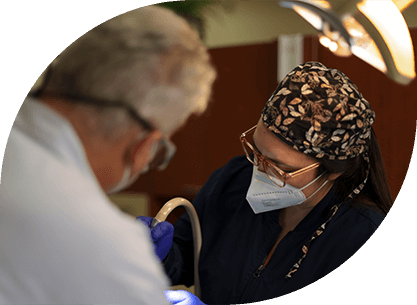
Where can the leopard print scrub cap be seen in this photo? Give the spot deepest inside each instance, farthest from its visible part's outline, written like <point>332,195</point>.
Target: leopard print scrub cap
<point>320,112</point>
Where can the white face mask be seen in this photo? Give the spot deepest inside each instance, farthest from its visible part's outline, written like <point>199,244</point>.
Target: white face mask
<point>126,180</point>
<point>264,196</point>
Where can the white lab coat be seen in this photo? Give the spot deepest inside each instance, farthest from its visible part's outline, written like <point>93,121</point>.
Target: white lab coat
<point>61,239</point>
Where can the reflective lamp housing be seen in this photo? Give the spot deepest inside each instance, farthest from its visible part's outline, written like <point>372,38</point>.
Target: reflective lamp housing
<point>361,27</point>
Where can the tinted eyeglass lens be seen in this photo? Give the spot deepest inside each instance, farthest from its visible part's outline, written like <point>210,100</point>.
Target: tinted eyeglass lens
<point>160,157</point>
<point>272,173</point>
<point>250,154</point>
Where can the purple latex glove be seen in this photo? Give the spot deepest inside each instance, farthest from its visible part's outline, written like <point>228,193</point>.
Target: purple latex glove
<point>182,297</point>
<point>161,236</point>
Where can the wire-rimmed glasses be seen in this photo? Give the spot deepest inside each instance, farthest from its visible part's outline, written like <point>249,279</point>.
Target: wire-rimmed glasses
<point>275,174</point>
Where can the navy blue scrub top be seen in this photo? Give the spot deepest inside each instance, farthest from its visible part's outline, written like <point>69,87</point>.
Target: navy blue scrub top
<point>236,241</point>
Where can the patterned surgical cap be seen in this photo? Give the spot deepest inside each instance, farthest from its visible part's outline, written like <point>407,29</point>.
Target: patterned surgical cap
<point>320,112</point>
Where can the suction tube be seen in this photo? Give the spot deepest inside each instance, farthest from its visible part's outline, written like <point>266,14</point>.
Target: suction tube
<point>195,225</point>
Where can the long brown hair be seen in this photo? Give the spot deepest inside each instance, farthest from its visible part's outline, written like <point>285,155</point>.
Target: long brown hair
<point>376,191</point>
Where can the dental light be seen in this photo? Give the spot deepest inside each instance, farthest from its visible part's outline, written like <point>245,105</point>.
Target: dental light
<point>373,30</point>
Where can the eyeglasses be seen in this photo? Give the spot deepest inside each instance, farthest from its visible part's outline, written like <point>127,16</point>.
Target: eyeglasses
<point>166,149</point>
<point>164,154</point>
<point>270,168</point>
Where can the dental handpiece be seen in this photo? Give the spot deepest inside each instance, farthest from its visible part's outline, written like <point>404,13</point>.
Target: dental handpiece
<point>163,213</point>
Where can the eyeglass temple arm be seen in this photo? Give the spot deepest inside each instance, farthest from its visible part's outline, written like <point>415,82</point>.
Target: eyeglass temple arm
<point>303,170</point>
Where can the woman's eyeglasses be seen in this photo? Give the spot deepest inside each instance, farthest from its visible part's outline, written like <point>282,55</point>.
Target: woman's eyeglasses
<point>275,174</point>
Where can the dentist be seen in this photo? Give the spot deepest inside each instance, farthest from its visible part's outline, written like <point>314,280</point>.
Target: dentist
<point>107,108</point>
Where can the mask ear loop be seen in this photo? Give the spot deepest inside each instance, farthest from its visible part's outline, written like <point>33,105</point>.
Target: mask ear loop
<point>312,183</point>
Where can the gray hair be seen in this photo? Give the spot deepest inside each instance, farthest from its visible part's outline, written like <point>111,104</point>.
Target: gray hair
<point>149,58</point>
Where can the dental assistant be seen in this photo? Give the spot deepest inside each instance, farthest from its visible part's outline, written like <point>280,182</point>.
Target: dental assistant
<point>105,113</point>
<point>308,192</point>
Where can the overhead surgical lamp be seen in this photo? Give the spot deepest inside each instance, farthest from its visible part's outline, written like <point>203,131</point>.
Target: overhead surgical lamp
<point>373,30</point>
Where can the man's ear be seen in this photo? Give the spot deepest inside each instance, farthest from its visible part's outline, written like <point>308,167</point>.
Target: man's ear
<point>141,150</point>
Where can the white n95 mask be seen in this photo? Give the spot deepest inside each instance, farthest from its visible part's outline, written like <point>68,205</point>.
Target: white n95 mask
<point>264,196</point>
<point>126,180</point>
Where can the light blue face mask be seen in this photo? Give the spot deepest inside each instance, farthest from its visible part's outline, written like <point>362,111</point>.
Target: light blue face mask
<point>126,180</point>
<point>264,196</point>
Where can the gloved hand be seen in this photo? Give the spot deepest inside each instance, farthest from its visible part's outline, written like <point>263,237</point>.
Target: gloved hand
<point>182,297</point>
<point>161,236</point>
